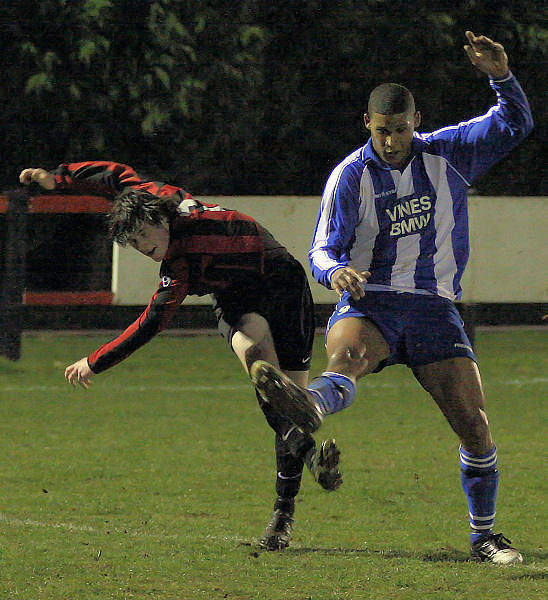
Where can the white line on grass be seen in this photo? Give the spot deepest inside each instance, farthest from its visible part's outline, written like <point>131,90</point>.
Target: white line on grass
<point>16,522</point>
<point>228,388</point>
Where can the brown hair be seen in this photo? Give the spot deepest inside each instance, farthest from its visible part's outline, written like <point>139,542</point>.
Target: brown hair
<point>133,208</point>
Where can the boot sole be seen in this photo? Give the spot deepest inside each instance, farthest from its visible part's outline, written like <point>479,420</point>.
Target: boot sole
<point>285,396</point>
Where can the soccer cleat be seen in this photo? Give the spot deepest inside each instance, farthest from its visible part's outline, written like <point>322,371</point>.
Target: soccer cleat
<point>285,396</point>
<point>323,463</point>
<point>278,530</point>
<point>495,549</point>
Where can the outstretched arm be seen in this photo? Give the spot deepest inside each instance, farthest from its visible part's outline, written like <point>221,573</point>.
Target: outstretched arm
<point>473,146</point>
<point>102,178</point>
<point>486,55</point>
<point>97,178</point>
<point>164,302</point>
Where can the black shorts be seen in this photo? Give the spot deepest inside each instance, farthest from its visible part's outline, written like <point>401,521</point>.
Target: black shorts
<point>284,299</point>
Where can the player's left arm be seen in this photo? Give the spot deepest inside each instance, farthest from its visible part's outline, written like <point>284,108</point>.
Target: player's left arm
<point>96,177</point>
<point>43,178</point>
<point>102,178</point>
<point>473,146</point>
<point>486,55</point>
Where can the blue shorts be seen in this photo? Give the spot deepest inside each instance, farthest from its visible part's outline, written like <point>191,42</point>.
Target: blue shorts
<point>420,329</point>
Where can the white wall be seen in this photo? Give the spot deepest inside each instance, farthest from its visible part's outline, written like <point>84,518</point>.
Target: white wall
<point>508,237</point>
<point>509,250</point>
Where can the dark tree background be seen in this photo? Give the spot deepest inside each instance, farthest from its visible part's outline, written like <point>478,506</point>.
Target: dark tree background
<point>250,96</point>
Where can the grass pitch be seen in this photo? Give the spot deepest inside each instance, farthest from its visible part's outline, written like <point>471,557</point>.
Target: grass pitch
<point>157,482</point>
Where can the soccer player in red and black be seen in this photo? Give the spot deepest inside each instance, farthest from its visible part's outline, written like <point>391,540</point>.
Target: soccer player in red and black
<point>263,303</point>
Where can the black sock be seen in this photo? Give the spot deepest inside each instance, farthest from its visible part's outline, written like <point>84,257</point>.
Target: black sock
<point>297,441</point>
<point>285,504</point>
<point>289,470</point>
<point>291,446</point>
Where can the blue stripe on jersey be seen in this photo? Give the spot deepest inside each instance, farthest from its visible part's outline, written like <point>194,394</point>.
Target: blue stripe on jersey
<point>424,270</point>
<point>459,235</point>
<point>334,235</point>
<point>384,250</point>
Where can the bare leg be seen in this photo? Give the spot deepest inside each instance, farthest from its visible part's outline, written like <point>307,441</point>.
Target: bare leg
<point>455,386</point>
<point>253,341</point>
<point>355,347</point>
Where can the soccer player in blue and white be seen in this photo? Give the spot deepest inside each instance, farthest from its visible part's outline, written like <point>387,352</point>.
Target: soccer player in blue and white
<point>392,240</point>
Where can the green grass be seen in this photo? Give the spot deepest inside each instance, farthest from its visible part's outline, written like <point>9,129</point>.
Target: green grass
<point>157,482</point>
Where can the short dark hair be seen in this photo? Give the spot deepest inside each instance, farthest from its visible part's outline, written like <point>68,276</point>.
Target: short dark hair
<point>390,99</point>
<point>132,208</point>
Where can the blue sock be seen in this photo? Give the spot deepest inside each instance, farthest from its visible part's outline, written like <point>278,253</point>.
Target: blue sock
<point>333,391</point>
<point>480,478</point>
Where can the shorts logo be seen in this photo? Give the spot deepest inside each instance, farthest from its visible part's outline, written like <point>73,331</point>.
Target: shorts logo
<point>166,281</point>
<point>343,309</point>
<point>463,346</point>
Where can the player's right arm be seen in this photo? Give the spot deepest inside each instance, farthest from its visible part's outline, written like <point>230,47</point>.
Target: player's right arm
<point>348,279</point>
<point>170,294</point>
<point>79,372</point>
<point>338,217</point>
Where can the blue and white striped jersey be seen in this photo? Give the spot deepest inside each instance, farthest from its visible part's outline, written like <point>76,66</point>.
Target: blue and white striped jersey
<point>410,228</point>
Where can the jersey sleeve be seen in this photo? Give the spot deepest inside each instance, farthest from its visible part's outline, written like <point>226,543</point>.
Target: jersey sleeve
<point>169,295</point>
<point>473,146</point>
<point>107,179</point>
<point>335,227</point>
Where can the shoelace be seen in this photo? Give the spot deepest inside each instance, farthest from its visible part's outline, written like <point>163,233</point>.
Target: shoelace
<point>502,542</point>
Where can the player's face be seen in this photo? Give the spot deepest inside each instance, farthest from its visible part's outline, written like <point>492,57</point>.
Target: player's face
<point>151,240</point>
<point>392,135</point>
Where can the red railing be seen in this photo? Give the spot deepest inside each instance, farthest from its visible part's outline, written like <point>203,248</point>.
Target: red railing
<point>64,205</point>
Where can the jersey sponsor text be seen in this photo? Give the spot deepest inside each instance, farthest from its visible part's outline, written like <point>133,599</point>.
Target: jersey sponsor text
<point>417,211</point>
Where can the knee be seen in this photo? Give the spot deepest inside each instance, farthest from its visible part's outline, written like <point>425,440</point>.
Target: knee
<point>260,350</point>
<point>475,434</point>
<point>349,360</point>
<point>253,341</point>
<point>253,353</point>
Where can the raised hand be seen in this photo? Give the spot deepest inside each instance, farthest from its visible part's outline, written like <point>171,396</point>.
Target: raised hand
<point>40,176</point>
<point>486,55</point>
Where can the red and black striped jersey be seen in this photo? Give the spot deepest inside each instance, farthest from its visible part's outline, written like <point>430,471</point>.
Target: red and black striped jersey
<point>106,178</point>
<point>212,250</point>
